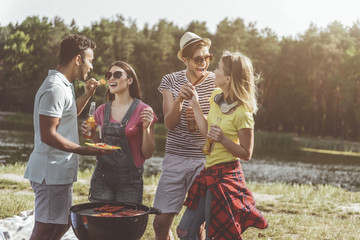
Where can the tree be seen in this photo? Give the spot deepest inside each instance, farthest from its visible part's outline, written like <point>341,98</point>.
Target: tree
<point>17,49</point>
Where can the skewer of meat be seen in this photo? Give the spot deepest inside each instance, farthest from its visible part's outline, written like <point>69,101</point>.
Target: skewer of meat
<point>199,79</point>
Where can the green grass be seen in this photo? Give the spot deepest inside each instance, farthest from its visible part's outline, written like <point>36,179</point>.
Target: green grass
<point>292,211</point>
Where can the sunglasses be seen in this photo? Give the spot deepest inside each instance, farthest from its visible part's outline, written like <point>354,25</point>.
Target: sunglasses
<point>116,74</point>
<point>199,60</point>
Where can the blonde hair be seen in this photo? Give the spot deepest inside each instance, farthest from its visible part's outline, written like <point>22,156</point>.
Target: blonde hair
<point>241,88</point>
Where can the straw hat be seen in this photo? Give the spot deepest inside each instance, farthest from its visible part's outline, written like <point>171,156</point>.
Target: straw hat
<point>189,38</point>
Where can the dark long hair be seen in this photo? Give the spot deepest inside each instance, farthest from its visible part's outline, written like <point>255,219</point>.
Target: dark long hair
<point>134,87</point>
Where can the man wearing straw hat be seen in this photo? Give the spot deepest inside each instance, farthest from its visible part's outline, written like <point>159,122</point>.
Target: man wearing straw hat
<point>184,158</point>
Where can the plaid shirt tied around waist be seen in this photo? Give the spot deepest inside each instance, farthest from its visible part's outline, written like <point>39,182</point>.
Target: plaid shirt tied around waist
<point>233,206</point>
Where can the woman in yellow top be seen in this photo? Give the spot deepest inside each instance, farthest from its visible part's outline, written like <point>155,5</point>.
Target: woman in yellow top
<point>219,194</point>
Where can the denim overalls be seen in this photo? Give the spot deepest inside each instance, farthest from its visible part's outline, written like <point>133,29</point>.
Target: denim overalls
<point>116,177</point>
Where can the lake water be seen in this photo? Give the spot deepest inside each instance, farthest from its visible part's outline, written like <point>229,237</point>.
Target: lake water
<point>345,176</point>
<point>315,169</point>
<point>271,170</point>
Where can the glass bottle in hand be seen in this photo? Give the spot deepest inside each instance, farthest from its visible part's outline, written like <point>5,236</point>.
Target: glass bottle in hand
<point>192,126</point>
<point>90,121</point>
<point>209,142</point>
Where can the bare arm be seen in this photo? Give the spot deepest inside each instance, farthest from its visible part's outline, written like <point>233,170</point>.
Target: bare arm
<point>90,87</point>
<point>148,140</point>
<point>172,108</point>
<point>49,135</point>
<point>242,150</point>
<point>199,116</point>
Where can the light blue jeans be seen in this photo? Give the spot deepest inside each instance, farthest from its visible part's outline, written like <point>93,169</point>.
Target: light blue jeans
<point>192,219</point>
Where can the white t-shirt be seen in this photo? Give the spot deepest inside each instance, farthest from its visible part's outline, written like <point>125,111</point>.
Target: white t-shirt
<point>55,98</point>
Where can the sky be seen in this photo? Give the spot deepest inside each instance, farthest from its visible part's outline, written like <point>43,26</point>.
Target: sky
<point>284,17</point>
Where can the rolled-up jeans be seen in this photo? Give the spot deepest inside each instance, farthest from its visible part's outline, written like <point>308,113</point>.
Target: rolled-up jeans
<point>192,219</point>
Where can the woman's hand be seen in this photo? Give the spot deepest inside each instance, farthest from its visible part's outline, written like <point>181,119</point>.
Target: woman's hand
<point>85,130</point>
<point>194,99</point>
<point>148,140</point>
<point>189,114</point>
<point>216,134</point>
<point>147,117</point>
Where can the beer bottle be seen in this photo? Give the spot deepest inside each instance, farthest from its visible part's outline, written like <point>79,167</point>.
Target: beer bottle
<point>192,126</point>
<point>90,121</point>
<point>209,142</point>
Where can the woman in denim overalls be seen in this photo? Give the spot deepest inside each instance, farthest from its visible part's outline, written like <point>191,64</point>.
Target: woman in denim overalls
<point>128,123</point>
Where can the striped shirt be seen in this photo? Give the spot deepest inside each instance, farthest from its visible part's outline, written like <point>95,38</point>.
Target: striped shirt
<point>180,141</point>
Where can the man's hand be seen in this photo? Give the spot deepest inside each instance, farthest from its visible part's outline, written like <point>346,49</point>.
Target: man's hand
<point>90,86</point>
<point>186,92</point>
<point>94,151</point>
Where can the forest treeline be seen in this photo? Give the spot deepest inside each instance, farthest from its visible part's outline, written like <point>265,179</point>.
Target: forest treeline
<point>310,83</point>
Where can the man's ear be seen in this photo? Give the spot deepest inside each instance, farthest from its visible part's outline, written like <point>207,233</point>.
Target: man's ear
<point>185,60</point>
<point>78,59</point>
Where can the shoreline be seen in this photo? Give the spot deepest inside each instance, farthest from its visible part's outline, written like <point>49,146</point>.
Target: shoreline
<point>340,175</point>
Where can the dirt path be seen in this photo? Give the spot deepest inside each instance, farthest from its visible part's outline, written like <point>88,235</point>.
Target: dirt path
<point>13,177</point>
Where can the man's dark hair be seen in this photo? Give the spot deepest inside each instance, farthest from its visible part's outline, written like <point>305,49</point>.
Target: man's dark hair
<point>74,45</point>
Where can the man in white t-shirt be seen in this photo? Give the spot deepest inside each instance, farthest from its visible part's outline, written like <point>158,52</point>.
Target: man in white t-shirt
<point>53,164</point>
<point>184,159</point>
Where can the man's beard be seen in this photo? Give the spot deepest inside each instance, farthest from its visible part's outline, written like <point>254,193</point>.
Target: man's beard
<point>193,73</point>
<point>81,75</point>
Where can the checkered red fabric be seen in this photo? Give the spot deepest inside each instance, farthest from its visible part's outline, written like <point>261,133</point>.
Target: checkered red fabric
<point>233,206</point>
